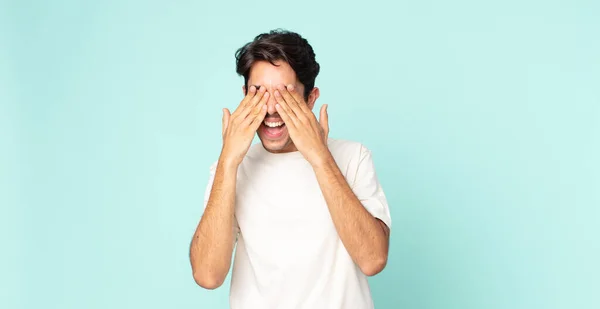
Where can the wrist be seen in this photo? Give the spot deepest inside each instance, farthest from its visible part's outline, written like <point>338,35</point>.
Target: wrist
<point>323,160</point>
<point>227,162</point>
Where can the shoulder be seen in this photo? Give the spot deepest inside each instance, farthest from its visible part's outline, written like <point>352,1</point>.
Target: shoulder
<point>349,155</point>
<point>353,158</point>
<point>344,149</point>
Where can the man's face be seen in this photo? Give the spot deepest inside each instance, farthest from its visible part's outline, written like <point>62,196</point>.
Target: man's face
<point>273,132</point>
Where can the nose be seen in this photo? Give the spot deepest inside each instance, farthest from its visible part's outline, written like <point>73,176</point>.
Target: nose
<point>271,110</point>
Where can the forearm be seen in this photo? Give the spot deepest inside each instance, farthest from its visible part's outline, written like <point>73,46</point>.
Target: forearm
<point>212,244</point>
<point>364,236</point>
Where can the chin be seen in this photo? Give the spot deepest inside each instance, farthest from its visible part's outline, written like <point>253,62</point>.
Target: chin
<point>279,145</point>
<point>275,146</point>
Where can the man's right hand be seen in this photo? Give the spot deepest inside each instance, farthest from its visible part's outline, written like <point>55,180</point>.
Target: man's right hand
<point>239,128</point>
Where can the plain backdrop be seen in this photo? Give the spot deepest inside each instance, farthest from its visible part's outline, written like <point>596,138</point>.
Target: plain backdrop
<point>483,117</point>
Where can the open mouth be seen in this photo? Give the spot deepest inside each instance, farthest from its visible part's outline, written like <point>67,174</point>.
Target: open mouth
<point>273,124</point>
<point>273,129</point>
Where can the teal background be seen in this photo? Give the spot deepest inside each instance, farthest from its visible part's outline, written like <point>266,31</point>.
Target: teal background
<point>483,117</point>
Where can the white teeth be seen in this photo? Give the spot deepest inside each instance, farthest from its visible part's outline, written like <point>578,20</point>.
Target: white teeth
<point>273,124</point>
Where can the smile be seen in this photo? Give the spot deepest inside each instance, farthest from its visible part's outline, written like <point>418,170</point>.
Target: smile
<point>273,124</point>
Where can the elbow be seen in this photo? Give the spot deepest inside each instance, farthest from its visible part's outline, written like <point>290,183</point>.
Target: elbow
<point>374,266</point>
<point>207,281</point>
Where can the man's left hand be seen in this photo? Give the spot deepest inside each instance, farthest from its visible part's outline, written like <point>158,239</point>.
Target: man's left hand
<point>308,134</point>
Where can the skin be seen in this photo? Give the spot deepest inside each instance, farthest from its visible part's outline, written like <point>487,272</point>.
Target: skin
<point>279,98</point>
<point>266,75</point>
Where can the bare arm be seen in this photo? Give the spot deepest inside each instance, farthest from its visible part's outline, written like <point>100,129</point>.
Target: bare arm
<point>212,244</point>
<point>365,237</point>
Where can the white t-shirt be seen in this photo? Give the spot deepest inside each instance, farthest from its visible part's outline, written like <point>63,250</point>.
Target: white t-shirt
<point>288,252</point>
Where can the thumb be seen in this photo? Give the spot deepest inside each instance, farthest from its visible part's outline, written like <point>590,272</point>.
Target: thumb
<point>324,120</point>
<point>226,115</point>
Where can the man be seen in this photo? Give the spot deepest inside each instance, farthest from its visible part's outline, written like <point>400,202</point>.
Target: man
<point>307,212</point>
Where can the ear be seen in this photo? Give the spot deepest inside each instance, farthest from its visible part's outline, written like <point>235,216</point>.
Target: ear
<point>312,97</point>
<point>243,89</point>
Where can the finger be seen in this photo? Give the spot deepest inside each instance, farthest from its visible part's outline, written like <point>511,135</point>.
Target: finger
<point>259,118</point>
<point>285,107</point>
<point>246,111</point>
<point>226,115</point>
<point>303,114</point>
<point>324,120</point>
<point>291,102</point>
<point>257,109</point>
<point>289,122</point>
<point>250,93</point>
<point>297,96</point>
<point>248,98</point>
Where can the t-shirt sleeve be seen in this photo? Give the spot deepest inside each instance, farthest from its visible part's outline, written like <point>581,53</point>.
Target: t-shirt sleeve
<point>368,189</point>
<point>211,180</point>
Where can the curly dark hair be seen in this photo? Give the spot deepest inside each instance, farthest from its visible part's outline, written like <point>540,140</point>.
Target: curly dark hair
<point>283,45</point>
